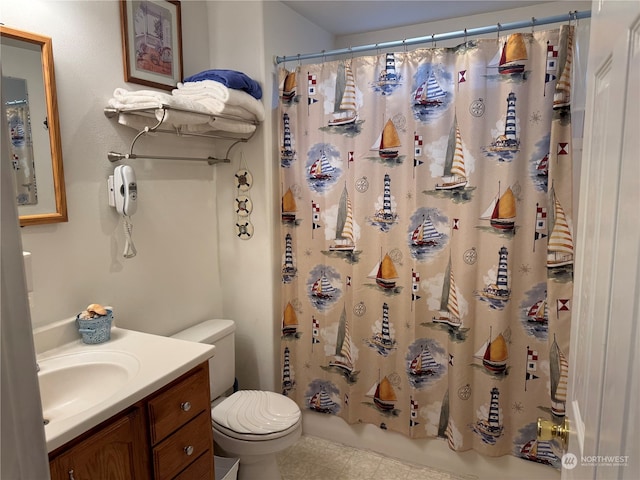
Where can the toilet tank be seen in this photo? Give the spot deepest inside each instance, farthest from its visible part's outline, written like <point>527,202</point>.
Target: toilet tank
<point>222,366</point>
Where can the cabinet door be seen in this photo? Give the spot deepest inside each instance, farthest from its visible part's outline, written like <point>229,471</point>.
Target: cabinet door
<point>115,452</point>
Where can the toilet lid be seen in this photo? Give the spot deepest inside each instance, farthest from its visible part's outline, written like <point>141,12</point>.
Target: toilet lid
<point>256,412</point>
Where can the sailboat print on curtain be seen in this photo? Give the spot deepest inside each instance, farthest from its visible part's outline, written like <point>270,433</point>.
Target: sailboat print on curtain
<point>287,153</point>
<point>289,269</point>
<point>289,87</point>
<point>562,95</point>
<point>389,78</point>
<point>489,425</point>
<point>540,451</point>
<point>421,365</point>
<point>387,143</point>
<point>322,395</point>
<point>289,208</point>
<point>385,217</point>
<point>321,169</point>
<point>506,144</point>
<point>384,396</point>
<point>385,274</point>
<point>494,354</point>
<point>449,309</point>
<point>542,166</point>
<point>381,340</point>
<point>429,94</point>
<point>510,60</point>
<point>321,283</point>
<point>455,175</point>
<point>501,212</point>
<point>535,312</point>
<point>425,234</point>
<point>290,323</point>
<point>560,244</point>
<point>345,353</point>
<point>345,241</point>
<point>559,374</point>
<point>345,110</point>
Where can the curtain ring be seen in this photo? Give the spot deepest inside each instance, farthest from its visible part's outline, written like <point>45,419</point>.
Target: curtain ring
<point>465,37</point>
<point>404,45</point>
<point>533,24</point>
<point>433,41</point>
<point>299,63</point>
<point>351,51</point>
<point>498,38</point>
<point>377,49</point>
<point>324,57</point>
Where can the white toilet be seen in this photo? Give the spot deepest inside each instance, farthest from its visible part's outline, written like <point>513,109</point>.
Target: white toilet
<point>251,425</point>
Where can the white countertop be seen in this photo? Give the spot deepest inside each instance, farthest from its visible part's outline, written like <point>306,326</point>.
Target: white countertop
<point>161,360</point>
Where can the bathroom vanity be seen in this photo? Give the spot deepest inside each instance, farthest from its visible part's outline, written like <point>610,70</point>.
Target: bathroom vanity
<point>155,423</point>
<point>165,436</point>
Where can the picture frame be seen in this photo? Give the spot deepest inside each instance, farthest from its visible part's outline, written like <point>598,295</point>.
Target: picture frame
<point>152,42</point>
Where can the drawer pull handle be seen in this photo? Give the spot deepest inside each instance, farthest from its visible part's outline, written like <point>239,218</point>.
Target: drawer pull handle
<point>185,406</point>
<point>71,477</point>
<point>188,450</point>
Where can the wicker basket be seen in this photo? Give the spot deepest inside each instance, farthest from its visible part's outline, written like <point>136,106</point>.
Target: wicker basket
<point>95,330</point>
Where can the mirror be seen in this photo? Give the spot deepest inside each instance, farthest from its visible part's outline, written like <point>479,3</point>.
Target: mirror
<point>31,108</point>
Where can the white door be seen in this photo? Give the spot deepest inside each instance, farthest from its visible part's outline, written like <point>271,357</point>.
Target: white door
<point>605,347</point>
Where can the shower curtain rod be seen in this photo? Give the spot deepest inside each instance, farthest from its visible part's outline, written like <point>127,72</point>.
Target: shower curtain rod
<point>575,15</point>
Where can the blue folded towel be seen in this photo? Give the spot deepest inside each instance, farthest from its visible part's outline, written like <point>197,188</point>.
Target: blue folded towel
<point>231,79</point>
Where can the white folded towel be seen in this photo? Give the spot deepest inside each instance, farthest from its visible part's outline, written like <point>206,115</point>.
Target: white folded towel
<point>221,92</point>
<point>125,99</point>
<point>233,126</point>
<point>220,108</point>
<point>139,122</point>
<point>199,115</point>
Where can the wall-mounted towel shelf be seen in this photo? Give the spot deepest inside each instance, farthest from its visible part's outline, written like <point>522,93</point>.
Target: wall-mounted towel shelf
<point>155,117</point>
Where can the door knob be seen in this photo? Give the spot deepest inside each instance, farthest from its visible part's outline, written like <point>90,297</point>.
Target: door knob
<point>548,430</point>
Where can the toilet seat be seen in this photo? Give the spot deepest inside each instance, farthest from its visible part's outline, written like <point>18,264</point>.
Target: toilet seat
<point>256,415</point>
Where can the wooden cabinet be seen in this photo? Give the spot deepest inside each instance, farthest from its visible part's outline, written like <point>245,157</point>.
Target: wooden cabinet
<point>166,436</point>
<point>180,425</point>
<point>116,450</point>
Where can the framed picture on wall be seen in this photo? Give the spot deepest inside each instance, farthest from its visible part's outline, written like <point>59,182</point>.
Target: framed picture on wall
<point>152,42</point>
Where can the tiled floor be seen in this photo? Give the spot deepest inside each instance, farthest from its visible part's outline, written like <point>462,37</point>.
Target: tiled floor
<point>313,458</point>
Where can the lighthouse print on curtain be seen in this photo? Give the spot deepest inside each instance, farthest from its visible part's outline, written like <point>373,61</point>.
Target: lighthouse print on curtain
<point>427,240</point>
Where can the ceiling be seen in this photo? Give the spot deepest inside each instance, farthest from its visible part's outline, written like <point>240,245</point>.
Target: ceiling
<point>346,17</point>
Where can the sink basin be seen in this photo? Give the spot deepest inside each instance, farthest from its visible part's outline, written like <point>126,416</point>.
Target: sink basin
<point>74,382</point>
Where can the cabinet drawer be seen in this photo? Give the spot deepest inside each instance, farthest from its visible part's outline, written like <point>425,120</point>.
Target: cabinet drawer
<point>183,447</point>
<point>201,469</point>
<point>185,400</point>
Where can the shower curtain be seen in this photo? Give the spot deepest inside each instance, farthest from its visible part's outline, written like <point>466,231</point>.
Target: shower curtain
<point>427,240</point>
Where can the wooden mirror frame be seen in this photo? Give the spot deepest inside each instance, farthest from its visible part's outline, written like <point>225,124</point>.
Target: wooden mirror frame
<point>48,77</point>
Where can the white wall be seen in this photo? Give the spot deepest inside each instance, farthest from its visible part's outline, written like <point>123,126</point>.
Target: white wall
<point>245,36</point>
<point>549,9</point>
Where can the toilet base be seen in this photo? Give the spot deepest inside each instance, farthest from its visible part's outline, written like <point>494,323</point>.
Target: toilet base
<point>261,463</point>
<point>252,467</point>
<point>264,468</point>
